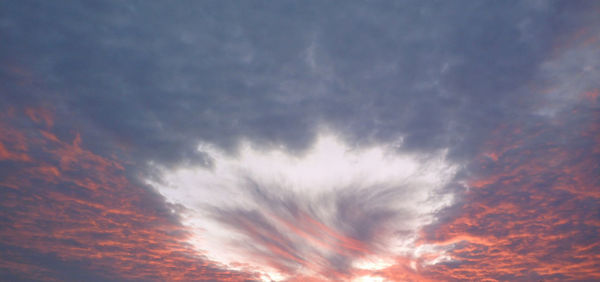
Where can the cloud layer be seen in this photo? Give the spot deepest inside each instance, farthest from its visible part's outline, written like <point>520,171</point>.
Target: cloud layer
<point>402,141</point>
<point>69,214</point>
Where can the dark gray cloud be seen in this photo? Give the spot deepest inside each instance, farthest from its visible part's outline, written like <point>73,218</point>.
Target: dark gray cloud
<point>158,77</point>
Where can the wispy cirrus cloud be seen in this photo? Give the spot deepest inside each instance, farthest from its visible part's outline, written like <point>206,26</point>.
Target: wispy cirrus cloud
<point>326,211</point>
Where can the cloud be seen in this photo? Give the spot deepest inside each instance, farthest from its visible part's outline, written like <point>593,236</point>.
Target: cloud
<point>438,75</point>
<point>530,212</point>
<point>496,100</point>
<point>69,214</point>
<point>316,213</point>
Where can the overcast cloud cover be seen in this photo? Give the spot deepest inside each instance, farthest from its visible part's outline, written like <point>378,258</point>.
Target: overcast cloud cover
<point>300,140</point>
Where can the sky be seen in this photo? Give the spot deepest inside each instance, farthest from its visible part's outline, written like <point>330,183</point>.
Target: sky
<point>300,140</point>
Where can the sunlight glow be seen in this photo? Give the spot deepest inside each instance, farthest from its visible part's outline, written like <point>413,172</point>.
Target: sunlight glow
<point>326,169</point>
<point>369,278</point>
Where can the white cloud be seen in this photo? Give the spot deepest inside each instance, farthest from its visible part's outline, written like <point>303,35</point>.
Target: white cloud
<point>315,179</point>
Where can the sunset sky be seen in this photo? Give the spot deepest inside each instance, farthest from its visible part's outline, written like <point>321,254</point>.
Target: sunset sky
<point>299,140</point>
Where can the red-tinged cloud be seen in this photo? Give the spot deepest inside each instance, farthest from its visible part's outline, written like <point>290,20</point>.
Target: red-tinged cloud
<point>533,208</point>
<point>70,214</point>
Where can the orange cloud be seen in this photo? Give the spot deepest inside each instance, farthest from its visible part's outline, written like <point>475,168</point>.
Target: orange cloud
<point>532,214</point>
<point>63,202</point>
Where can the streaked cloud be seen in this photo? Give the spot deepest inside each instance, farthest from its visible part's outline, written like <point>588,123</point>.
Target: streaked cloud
<point>326,210</point>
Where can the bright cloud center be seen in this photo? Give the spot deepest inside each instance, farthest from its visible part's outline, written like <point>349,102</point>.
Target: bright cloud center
<point>332,207</point>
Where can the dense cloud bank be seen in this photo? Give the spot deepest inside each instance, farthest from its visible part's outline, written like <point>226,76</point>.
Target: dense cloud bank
<point>159,77</point>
